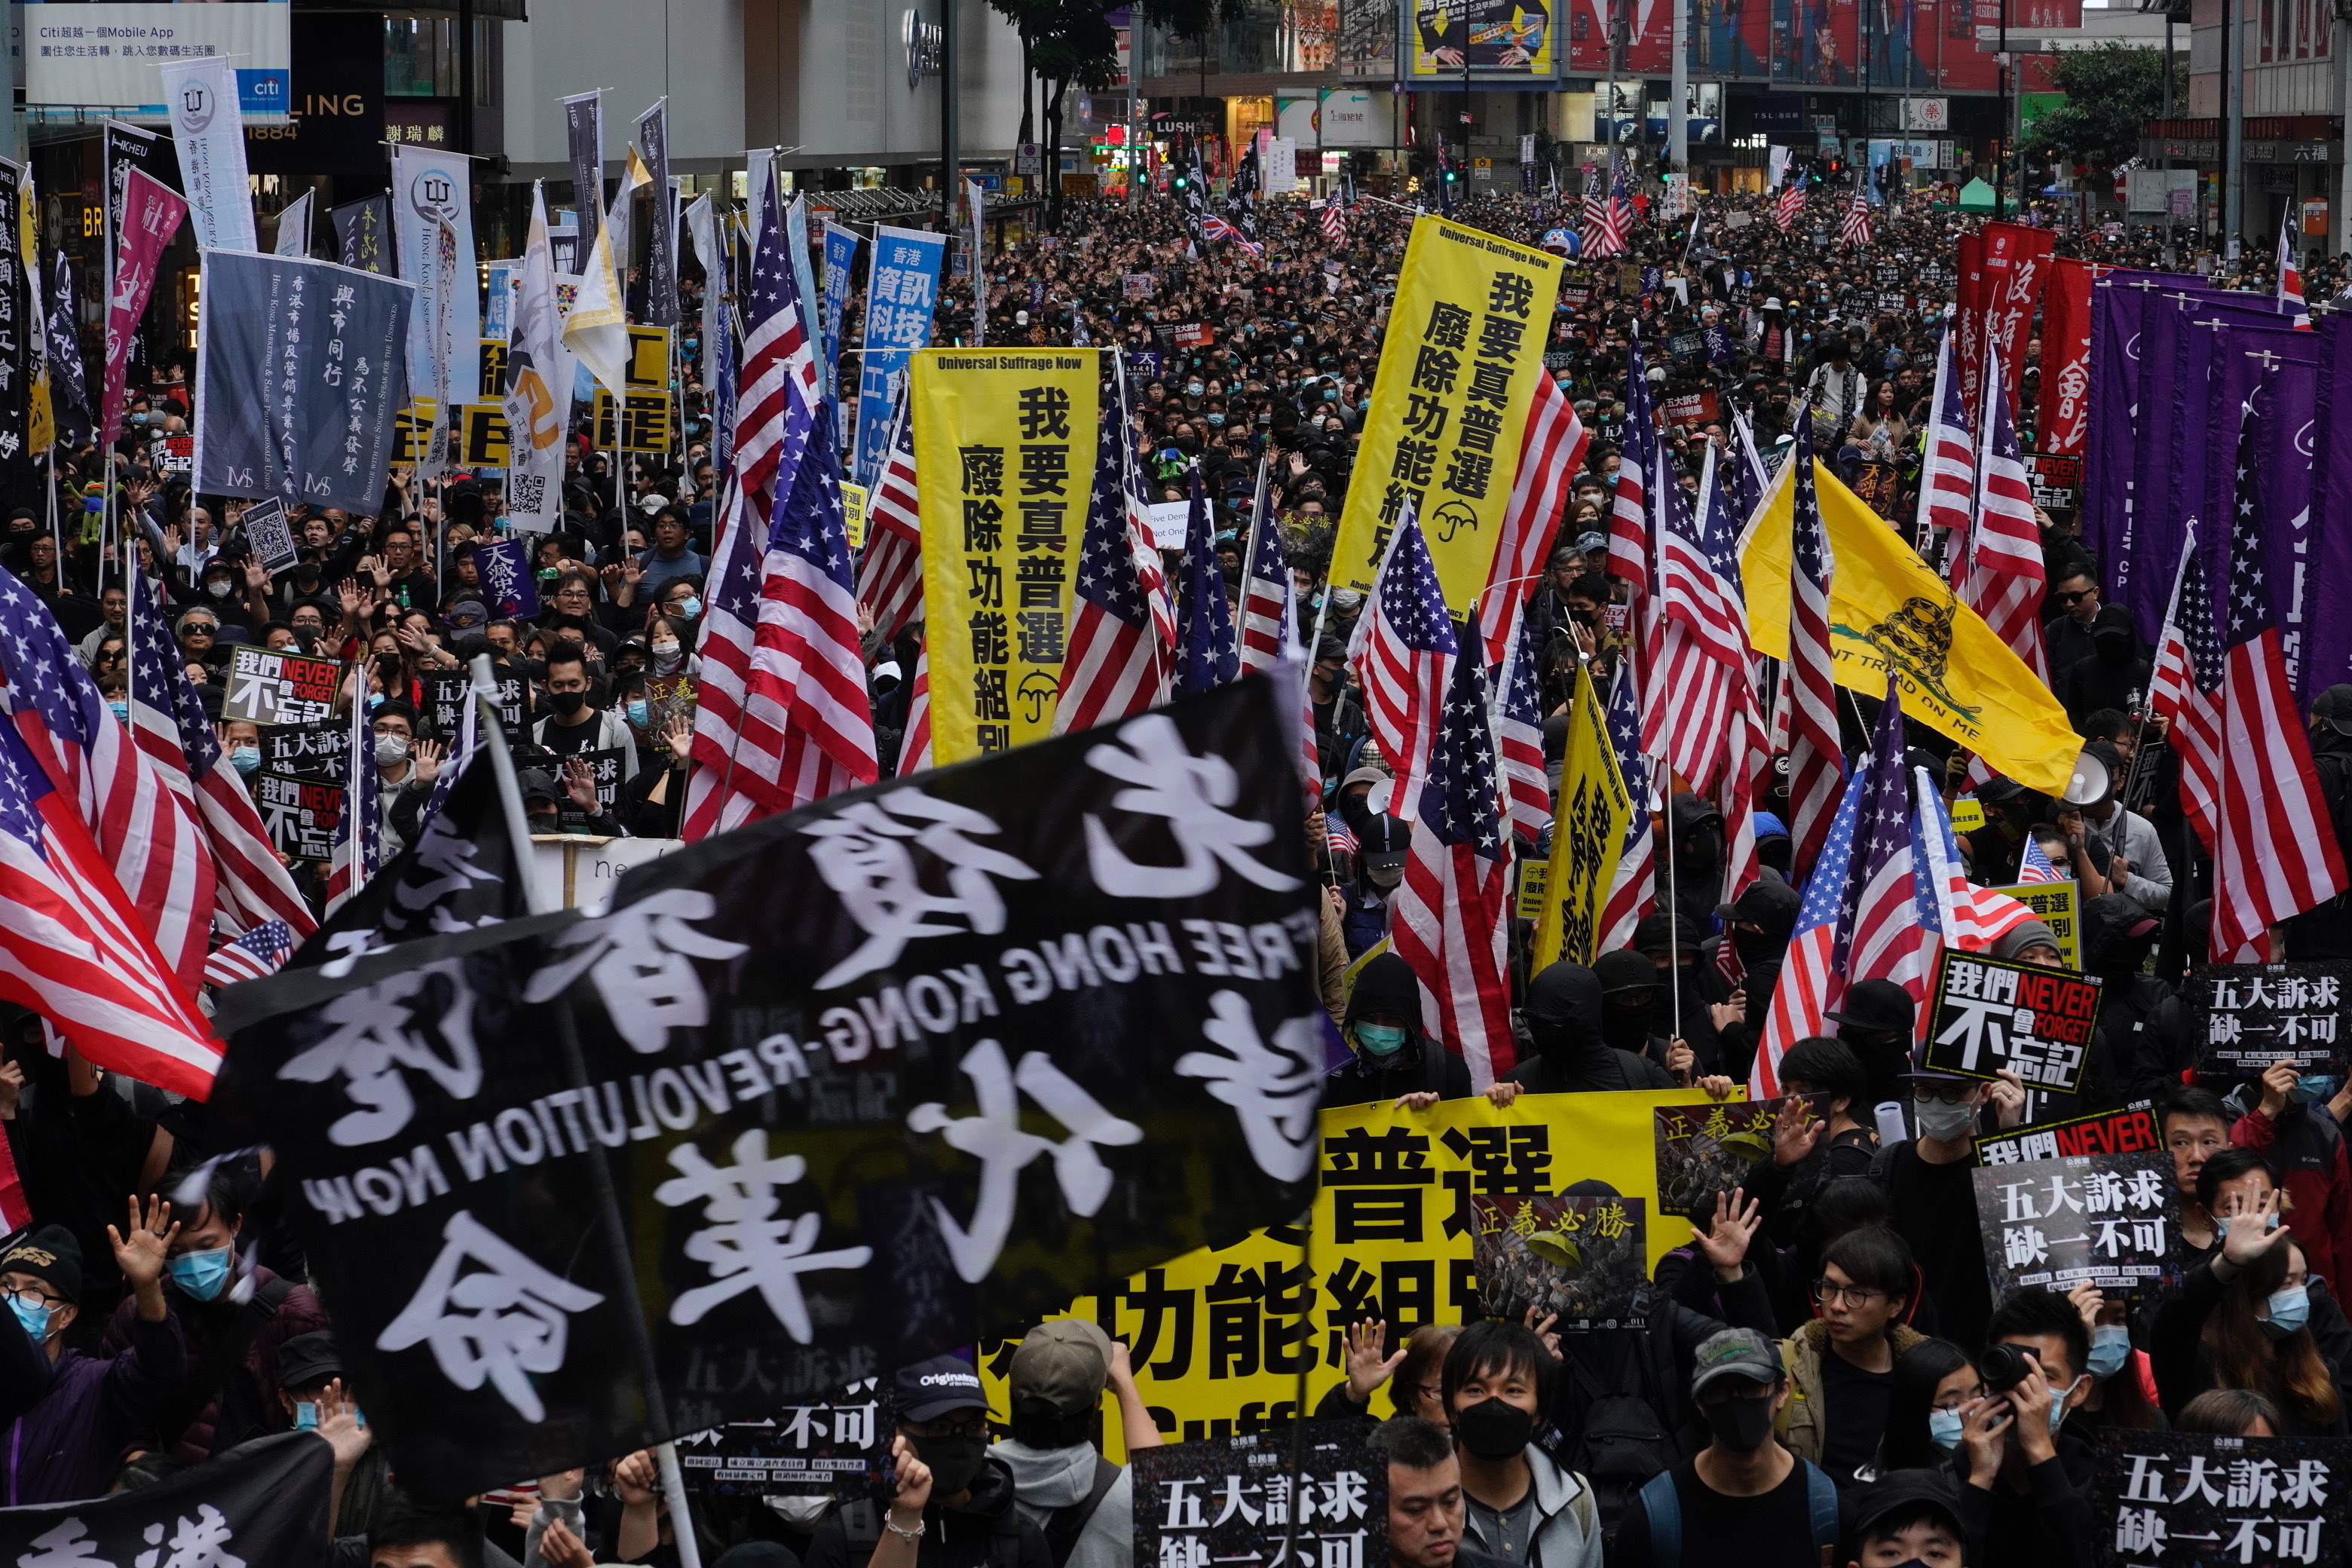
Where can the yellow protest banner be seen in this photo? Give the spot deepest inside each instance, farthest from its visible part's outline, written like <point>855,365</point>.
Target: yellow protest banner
<point>41,426</point>
<point>1466,341</point>
<point>485,441</point>
<point>853,513</point>
<point>1216,1336</point>
<point>1004,454</point>
<point>645,425</point>
<point>1967,813</point>
<point>1887,609</point>
<point>1529,905</point>
<point>2059,907</point>
<point>1588,834</point>
<point>410,429</point>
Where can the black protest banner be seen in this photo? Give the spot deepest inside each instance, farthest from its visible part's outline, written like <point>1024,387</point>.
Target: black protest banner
<point>303,815</point>
<point>1584,1259</point>
<point>265,1502</point>
<point>1709,1147</point>
<point>2108,1220</point>
<point>826,1060</point>
<point>1991,1014</point>
<point>604,767</point>
<point>2130,1131</point>
<point>2244,1017</point>
<point>1237,1500</point>
<point>280,687</point>
<point>2196,1500</point>
<point>446,693</point>
<point>826,1450</point>
<point>267,530</point>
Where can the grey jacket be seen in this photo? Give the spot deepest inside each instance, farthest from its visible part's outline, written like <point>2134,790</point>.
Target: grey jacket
<point>2132,836</point>
<point>1569,1535</point>
<point>1045,1479</point>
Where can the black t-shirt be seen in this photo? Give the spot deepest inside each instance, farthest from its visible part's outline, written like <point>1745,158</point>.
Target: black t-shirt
<point>1935,1210</point>
<point>1855,1407</point>
<point>1774,1531</point>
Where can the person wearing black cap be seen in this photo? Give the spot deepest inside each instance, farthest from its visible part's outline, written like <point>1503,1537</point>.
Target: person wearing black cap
<point>1706,1001</point>
<point>2327,931</point>
<point>1382,844</point>
<point>954,1504</point>
<point>1339,721</point>
<point>1757,924</point>
<point>1907,1519</point>
<point>1563,1017</point>
<point>1875,1020</point>
<point>67,1443</point>
<point>1632,1020</point>
<point>310,1391</point>
<point>2142,1046</point>
<point>1395,1060</point>
<point>1931,1194</point>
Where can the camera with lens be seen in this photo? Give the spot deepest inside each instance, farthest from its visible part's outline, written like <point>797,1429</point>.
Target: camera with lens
<point>2003,1367</point>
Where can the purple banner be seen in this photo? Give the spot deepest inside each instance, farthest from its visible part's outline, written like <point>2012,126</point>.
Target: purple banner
<point>2115,388</point>
<point>2331,483</point>
<point>507,581</point>
<point>2238,358</point>
<point>151,216</point>
<point>2290,415</point>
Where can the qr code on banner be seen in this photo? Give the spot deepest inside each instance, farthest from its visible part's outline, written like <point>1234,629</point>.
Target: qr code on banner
<point>527,493</point>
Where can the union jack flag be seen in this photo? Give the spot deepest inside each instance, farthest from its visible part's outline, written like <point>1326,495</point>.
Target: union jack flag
<point>252,955</point>
<point>1215,228</point>
<point>2290,276</point>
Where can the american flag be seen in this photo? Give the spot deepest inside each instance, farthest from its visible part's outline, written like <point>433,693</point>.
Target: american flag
<point>1454,907</point>
<point>2277,854</point>
<point>1629,518</point>
<point>1552,454</point>
<point>1265,590</point>
<point>1856,228</point>
<point>1790,202</point>
<point>1970,918</point>
<point>1633,888</point>
<point>1118,663</point>
<point>146,833</point>
<point>915,748</point>
<point>1205,654</point>
<point>1816,760</point>
<point>2034,865</point>
<point>167,868</point>
<point>1518,728</point>
<point>776,358</point>
<point>72,949</point>
<point>1402,647</point>
<point>1336,833</point>
<point>731,615</point>
<point>359,849</point>
<point>1596,209</point>
<point>1214,228</point>
<point>1335,222</point>
<point>2000,575</point>
<point>890,576</point>
<point>2186,691</point>
<point>250,885</point>
<point>2290,277</point>
<point>1616,217</point>
<point>806,662</point>
<point>253,955</point>
<point>1697,644</point>
<point>1949,483</point>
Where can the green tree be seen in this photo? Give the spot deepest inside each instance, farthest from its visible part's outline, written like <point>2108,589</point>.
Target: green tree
<point>2111,91</point>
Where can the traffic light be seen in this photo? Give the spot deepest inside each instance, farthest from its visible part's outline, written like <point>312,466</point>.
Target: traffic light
<point>1180,181</point>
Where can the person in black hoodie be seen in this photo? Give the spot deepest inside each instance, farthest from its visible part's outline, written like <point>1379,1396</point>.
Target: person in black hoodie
<point>1680,959</point>
<point>1563,1016</point>
<point>2112,675</point>
<point>1757,924</point>
<point>1636,1016</point>
<point>1394,1059</point>
<point>1875,1021</point>
<point>2142,1043</point>
<point>1695,861</point>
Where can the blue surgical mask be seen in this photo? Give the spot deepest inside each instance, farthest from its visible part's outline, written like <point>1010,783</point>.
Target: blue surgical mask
<point>306,1415</point>
<point>689,607</point>
<point>2314,1088</point>
<point>2221,1225</point>
<point>2110,1348</point>
<point>202,1275</point>
<point>2290,1311</point>
<point>2058,1405</point>
<point>119,708</point>
<point>1380,1039</point>
<point>245,759</point>
<point>1944,1426</point>
<point>36,1319</point>
<point>638,711</point>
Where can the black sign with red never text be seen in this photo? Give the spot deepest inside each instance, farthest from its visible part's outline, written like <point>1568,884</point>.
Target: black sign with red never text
<point>1991,1014</point>
<point>2130,1131</point>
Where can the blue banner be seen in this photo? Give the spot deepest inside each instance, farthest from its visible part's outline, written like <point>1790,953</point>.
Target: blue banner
<point>301,367</point>
<point>507,583</point>
<point>903,286</point>
<point>840,266</point>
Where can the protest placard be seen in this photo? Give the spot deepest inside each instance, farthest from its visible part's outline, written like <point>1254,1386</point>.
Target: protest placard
<point>280,687</point>
<point>826,1450</point>
<point>303,816</point>
<point>1237,1499</point>
<point>2198,1499</point>
<point>1710,1146</point>
<point>1582,1262</point>
<point>2058,906</point>
<point>267,531</point>
<point>315,753</point>
<point>2244,1017</point>
<point>2129,1130</point>
<point>2108,1220</point>
<point>1991,1014</point>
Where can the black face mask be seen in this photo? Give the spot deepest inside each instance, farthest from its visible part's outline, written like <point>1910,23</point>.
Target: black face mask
<point>1492,1429</point>
<point>1625,1022</point>
<point>955,1462</point>
<point>1870,1046</point>
<point>1739,1425</point>
<point>1755,946</point>
<point>567,704</point>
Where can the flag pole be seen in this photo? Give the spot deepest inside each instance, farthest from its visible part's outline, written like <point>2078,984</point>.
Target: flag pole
<point>1673,914</point>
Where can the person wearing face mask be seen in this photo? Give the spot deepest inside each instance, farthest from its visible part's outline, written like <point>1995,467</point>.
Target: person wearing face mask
<point>241,744</point>
<point>1563,1014</point>
<point>1876,1021</point>
<point>1631,1018</point>
<point>2027,1472</point>
<point>1745,1498</point>
<point>1757,924</point>
<point>1932,1380</point>
<point>1382,844</point>
<point>1697,861</point>
<point>1394,1061</point>
<point>72,1414</point>
<point>1685,980</point>
<point>2294,1123</point>
<point>1932,1197</point>
<point>228,1394</point>
<point>2122,1387</point>
<point>954,1507</point>
<point>573,724</point>
<point>310,1374</point>
<point>2142,1044</point>
<point>1518,1504</point>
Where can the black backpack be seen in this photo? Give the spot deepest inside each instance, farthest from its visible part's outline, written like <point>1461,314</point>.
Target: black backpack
<point>1623,1442</point>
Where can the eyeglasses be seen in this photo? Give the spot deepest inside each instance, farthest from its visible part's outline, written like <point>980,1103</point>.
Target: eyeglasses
<point>2077,596</point>
<point>197,629</point>
<point>39,1301</point>
<point>1829,1295</point>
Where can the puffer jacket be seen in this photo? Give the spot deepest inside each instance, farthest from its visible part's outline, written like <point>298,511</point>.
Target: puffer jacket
<point>1803,1421</point>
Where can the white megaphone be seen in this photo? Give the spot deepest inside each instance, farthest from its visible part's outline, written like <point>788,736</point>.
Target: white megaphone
<point>2090,783</point>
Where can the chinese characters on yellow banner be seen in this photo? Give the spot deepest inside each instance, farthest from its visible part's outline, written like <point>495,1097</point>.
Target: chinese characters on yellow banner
<point>1005,451</point>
